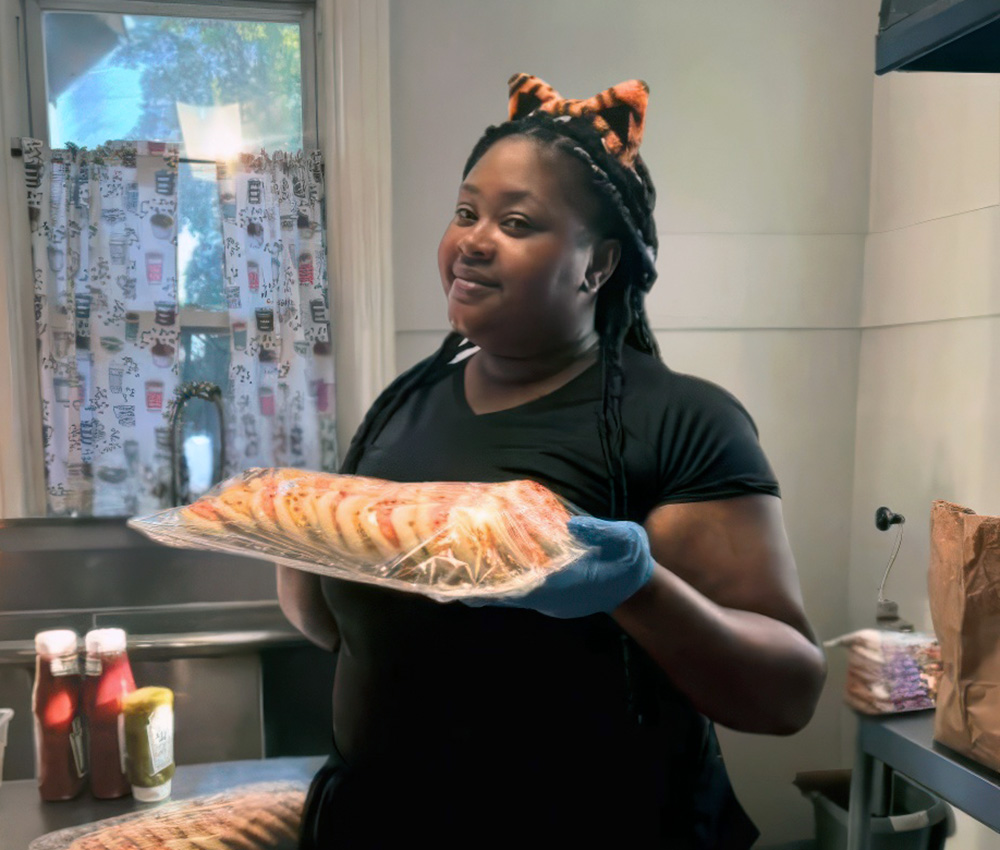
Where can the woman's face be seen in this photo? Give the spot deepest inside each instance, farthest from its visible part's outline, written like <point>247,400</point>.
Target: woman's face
<point>518,262</point>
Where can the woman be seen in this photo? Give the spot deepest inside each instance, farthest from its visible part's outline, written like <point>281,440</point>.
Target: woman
<point>581,713</point>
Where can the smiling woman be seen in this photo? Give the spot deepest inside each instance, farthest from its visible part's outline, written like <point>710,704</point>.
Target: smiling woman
<point>587,704</point>
<point>520,264</point>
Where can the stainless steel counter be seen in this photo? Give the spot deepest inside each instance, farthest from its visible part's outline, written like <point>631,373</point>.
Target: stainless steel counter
<point>246,683</point>
<point>207,625</point>
<point>24,817</point>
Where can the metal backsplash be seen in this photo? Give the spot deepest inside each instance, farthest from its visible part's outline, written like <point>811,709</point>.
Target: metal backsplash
<point>88,564</point>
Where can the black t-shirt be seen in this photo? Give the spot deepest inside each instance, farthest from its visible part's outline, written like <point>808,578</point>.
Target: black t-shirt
<point>495,698</point>
<point>686,440</point>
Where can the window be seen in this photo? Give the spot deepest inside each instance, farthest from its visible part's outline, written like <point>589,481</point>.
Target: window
<point>213,79</point>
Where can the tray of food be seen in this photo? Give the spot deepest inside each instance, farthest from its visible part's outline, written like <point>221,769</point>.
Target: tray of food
<point>263,816</point>
<point>442,539</point>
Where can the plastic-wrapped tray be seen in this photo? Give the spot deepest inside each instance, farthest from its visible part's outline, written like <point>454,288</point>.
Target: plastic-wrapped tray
<point>261,816</point>
<point>441,539</point>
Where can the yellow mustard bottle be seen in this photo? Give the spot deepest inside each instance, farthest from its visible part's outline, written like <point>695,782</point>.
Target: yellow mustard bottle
<point>148,715</point>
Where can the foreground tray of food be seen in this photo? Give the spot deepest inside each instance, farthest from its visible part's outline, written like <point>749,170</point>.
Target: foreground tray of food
<point>253,817</point>
<point>442,539</point>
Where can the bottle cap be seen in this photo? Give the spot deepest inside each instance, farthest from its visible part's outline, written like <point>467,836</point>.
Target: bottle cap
<point>105,640</point>
<point>55,642</point>
<point>151,795</point>
<point>146,700</point>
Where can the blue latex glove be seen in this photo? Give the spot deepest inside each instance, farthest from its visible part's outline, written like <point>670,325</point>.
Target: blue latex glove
<point>616,565</point>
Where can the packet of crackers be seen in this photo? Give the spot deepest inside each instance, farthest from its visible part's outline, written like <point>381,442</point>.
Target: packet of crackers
<point>442,539</point>
<point>890,671</point>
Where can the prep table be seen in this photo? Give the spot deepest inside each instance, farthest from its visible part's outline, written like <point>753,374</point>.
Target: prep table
<point>905,743</point>
<point>24,817</point>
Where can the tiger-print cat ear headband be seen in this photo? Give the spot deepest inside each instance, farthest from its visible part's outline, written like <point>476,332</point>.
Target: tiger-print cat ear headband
<point>618,114</point>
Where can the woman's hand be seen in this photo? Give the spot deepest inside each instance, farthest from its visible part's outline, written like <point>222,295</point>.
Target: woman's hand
<point>616,564</point>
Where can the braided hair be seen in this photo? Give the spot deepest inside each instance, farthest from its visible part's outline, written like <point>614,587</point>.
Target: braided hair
<point>625,212</point>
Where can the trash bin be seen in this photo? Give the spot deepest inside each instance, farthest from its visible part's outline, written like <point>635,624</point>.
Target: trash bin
<point>916,820</point>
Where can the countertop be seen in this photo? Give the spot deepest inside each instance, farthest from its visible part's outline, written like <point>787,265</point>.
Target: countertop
<point>24,817</point>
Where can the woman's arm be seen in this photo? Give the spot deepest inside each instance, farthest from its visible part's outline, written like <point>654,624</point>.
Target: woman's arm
<point>301,600</point>
<point>725,619</point>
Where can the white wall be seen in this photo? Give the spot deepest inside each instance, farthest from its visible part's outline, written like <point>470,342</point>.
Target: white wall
<point>928,399</point>
<point>758,138</point>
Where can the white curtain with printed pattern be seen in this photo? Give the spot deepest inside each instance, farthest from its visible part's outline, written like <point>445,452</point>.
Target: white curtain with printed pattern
<point>104,248</point>
<point>280,406</point>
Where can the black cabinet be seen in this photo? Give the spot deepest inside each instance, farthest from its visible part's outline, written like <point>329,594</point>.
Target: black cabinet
<point>938,35</point>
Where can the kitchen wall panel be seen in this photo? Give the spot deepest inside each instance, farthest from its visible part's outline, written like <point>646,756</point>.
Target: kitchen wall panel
<point>935,139</point>
<point>748,280</point>
<point>928,409</point>
<point>944,268</point>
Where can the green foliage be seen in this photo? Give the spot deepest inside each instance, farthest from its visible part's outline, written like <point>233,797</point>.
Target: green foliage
<point>199,206</point>
<point>205,62</point>
<point>210,62</point>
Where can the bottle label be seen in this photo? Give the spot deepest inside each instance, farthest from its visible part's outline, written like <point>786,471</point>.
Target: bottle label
<point>160,732</point>
<point>65,665</point>
<point>92,666</point>
<point>76,744</point>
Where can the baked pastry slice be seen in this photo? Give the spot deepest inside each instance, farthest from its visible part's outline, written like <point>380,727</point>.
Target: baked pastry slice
<point>251,818</point>
<point>453,536</point>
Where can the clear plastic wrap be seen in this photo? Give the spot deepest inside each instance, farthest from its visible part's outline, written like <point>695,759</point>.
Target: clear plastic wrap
<point>890,672</point>
<point>262,816</point>
<point>444,540</point>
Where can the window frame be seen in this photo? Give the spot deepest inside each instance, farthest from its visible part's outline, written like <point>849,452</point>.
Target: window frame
<point>303,14</point>
<point>270,11</point>
<point>352,51</point>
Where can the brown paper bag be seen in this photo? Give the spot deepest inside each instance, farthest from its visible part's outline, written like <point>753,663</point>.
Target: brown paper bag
<point>964,591</point>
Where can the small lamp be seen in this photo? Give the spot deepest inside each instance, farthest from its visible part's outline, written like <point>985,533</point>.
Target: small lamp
<point>887,611</point>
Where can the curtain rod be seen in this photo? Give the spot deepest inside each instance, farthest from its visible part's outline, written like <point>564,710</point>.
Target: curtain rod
<point>15,150</point>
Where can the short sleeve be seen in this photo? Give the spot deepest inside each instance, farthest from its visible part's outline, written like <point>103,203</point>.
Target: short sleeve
<point>711,449</point>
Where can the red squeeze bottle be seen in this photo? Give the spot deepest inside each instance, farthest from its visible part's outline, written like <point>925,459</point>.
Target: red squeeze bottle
<point>108,679</point>
<point>55,700</point>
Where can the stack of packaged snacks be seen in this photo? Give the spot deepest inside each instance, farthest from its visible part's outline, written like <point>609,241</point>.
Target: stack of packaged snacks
<point>890,671</point>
